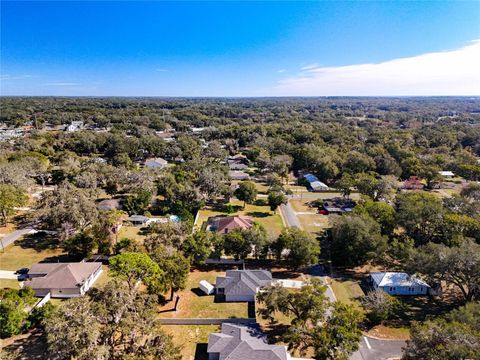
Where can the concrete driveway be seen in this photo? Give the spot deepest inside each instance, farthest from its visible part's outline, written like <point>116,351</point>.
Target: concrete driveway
<point>7,274</point>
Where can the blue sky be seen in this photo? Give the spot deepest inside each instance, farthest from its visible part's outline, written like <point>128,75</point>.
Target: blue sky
<point>240,49</point>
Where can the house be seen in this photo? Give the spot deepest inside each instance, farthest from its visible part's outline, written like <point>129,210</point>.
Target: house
<point>241,285</point>
<point>238,175</point>
<point>74,126</point>
<point>63,280</point>
<point>156,163</point>
<point>413,183</point>
<point>243,342</point>
<point>313,184</point>
<point>138,220</point>
<point>337,205</point>
<point>398,283</point>
<point>237,166</point>
<point>110,204</point>
<point>225,224</point>
<point>447,174</point>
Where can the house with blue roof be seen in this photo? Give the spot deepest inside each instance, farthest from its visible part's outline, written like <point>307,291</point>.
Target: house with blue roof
<point>398,283</point>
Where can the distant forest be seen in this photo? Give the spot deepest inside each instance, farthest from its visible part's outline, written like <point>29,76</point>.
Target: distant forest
<point>327,136</point>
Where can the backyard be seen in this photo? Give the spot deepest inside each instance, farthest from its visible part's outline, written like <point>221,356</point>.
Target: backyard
<point>195,304</point>
<point>192,338</point>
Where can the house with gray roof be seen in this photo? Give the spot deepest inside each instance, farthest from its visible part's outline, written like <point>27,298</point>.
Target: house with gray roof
<point>398,283</point>
<point>240,342</point>
<point>63,280</point>
<point>241,285</point>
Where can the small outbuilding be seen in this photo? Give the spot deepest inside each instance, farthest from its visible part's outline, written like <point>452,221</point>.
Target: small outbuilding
<point>447,174</point>
<point>206,287</point>
<point>138,220</point>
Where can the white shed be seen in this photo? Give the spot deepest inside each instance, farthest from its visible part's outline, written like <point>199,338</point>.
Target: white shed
<point>206,287</point>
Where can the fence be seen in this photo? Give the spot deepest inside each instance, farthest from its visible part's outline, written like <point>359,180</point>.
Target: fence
<point>207,321</point>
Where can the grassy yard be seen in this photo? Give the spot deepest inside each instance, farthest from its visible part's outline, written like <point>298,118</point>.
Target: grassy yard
<point>9,283</point>
<point>347,291</point>
<point>131,232</point>
<point>30,250</point>
<point>192,338</point>
<point>260,214</point>
<point>195,304</point>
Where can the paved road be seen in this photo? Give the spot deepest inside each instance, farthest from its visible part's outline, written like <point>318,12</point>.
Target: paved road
<point>15,235</point>
<point>289,216</point>
<point>375,349</point>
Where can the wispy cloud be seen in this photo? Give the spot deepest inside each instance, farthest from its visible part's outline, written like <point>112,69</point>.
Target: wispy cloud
<point>161,70</point>
<point>310,66</point>
<point>61,84</point>
<point>454,72</point>
<point>16,77</point>
<point>282,70</point>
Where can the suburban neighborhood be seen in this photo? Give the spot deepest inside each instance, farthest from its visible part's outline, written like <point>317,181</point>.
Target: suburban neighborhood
<point>239,180</point>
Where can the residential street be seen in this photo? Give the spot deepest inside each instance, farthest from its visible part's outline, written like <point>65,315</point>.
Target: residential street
<point>289,215</point>
<point>375,349</point>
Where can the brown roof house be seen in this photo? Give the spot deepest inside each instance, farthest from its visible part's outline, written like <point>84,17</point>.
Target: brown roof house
<point>243,342</point>
<point>63,280</point>
<point>225,224</point>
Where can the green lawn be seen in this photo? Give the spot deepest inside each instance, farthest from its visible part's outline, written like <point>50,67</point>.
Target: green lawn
<point>347,291</point>
<point>30,250</point>
<point>192,338</point>
<point>194,304</point>
<point>131,232</point>
<point>260,214</point>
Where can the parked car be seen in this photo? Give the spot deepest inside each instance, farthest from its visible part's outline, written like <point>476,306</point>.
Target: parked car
<point>22,271</point>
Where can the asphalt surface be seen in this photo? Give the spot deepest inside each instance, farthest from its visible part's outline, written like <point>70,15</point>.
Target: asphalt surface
<point>289,215</point>
<point>375,349</point>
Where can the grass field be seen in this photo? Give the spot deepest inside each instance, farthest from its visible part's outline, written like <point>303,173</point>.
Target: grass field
<point>131,232</point>
<point>30,250</point>
<point>192,338</point>
<point>347,291</point>
<point>194,304</point>
<point>260,214</point>
<point>9,283</point>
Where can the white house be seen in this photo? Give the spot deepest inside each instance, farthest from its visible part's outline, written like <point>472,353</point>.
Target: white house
<point>447,174</point>
<point>398,283</point>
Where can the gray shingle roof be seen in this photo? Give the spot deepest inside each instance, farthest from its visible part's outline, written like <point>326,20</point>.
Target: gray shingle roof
<point>239,342</point>
<point>243,282</point>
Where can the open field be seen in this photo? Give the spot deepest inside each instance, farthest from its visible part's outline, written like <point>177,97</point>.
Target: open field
<point>195,304</point>
<point>192,338</point>
<point>260,214</point>
<point>30,250</point>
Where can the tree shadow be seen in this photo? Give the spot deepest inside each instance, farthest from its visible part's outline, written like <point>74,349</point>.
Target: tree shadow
<point>201,351</point>
<point>39,242</point>
<point>32,347</point>
<point>258,214</point>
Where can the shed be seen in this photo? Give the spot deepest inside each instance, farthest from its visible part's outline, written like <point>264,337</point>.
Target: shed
<point>206,287</point>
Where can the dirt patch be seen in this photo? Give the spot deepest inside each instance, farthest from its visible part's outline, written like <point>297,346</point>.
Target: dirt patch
<point>389,333</point>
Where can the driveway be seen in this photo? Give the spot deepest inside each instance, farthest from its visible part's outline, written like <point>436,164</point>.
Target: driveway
<point>7,274</point>
<point>376,349</point>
